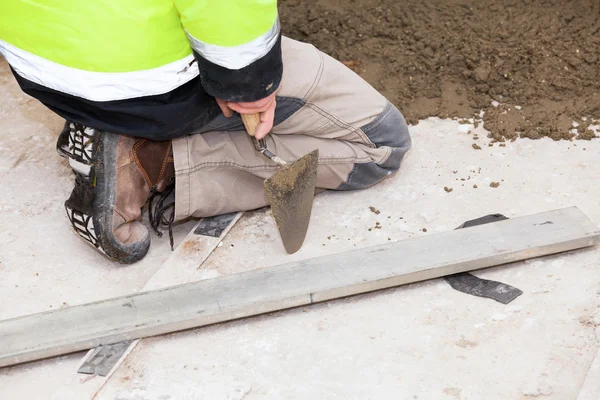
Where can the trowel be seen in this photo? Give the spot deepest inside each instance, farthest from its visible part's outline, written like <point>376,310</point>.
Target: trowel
<point>290,191</point>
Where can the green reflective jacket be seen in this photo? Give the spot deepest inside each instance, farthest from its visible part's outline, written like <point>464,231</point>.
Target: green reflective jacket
<point>115,50</point>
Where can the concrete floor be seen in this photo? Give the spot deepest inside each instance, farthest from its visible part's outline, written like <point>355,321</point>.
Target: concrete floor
<point>421,341</point>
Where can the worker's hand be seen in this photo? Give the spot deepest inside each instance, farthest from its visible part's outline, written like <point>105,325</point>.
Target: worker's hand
<point>266,108</point>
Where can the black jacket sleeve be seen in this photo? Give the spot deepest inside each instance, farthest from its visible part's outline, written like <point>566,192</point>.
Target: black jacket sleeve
<point>251,83</point>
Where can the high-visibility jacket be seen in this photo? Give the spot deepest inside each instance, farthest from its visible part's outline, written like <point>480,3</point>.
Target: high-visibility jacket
<point>149,68</point>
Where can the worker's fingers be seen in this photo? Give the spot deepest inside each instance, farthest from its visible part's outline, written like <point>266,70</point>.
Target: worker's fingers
<point>247,110</point>
<point>253,107</point>
<point>227,112</point>
<point>266,122</point>
<point>236,107</point>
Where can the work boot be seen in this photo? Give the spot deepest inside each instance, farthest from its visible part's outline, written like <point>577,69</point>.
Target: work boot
<point>115,175</point>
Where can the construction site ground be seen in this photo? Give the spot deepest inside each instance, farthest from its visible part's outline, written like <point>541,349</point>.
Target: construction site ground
<point>419,341</point>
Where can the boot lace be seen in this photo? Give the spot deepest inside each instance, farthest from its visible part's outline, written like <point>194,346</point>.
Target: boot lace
<point>162,215</point>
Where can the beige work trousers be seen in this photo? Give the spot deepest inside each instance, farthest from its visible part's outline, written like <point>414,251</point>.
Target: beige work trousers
<point>322,104</point>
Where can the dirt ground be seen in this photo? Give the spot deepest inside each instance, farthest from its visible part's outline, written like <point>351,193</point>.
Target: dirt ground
<point>540,59</point>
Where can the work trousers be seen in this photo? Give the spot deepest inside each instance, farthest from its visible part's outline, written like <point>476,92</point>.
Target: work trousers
<point>321,104</point>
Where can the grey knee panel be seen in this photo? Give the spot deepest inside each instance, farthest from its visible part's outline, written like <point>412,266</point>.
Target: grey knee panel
<point>388,129</point>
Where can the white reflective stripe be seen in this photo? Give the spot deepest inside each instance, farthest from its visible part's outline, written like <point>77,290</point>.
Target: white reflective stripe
<point>99,86</point>
<point>237,57</point>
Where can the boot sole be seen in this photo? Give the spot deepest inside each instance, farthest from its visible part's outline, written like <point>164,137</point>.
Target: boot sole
<point>105,172</point>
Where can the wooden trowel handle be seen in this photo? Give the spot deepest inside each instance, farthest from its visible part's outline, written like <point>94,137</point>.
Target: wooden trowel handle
<point>251,121</point>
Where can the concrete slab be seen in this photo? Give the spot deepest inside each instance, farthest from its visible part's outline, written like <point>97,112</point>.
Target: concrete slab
<point>423,341</point>
<point>590,390</point>
<point>43,264</point>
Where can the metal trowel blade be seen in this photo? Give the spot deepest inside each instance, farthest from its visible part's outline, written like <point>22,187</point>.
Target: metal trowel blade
<point>290,193</point>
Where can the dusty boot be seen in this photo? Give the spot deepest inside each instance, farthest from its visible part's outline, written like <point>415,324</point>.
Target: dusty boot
<point>114,177</point>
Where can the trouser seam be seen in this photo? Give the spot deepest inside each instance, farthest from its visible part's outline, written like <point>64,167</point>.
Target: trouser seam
<point>318,77</point>
<point>341,124</point>
<point>322,161</point>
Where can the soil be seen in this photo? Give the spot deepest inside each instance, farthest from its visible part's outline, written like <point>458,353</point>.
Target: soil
<point>540,59</point>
